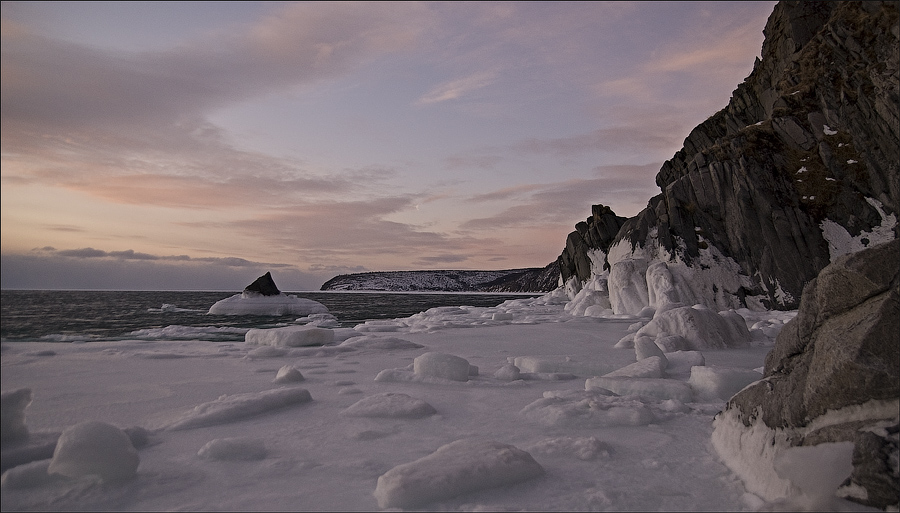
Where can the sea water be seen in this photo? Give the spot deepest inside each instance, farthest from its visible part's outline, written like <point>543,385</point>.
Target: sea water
<point>79,316</point>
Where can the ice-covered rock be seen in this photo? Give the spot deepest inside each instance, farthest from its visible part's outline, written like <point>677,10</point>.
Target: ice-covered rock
<point>391,405</point>
<point>289,336</point>
<point>95,449</point>
<point>233,449</point>
<point>440,365</point>
<point>700,327</point>
<point>831,377</point>
<point>454,469</point>
<point>720,383</point>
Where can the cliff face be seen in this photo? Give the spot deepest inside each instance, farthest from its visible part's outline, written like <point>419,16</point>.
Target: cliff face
<point>800,167</point>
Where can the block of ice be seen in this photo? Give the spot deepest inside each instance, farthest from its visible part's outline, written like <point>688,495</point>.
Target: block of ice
<point>816,470</point>
<point>454,469</point>
<point>290,336</point>
<point>651,367</point>
<point>671,343</point>
<point>391,405</point>
<point>231,408</point>
<point>94,449</point>
<point>560,365</point>
<point>645,347</point>
<point>233,449</point>
<point>681,362</point>
<point>720,383</point>
<point>648,387</point>
<point>440,365</point>
<point>247,303</point>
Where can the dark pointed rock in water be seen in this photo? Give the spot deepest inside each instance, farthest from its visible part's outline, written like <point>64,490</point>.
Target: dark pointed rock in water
<point>264,285</point>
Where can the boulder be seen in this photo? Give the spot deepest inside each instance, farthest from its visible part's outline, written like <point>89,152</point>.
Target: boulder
<point>833,375</point>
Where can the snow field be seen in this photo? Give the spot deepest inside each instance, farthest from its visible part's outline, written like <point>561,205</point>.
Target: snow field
<point>531,388</point>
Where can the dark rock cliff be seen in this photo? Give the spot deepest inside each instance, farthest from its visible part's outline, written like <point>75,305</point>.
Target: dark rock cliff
<point>808,141</point>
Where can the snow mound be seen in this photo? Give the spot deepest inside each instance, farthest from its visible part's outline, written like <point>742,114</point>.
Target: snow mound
<point>457,468</point>
<point>590,409</point>
<point>440,365</point>
<point>376,342</point>
<point>700,327</point>
<point>251,303</point>
<point>231,408</point>
<point>647,387</point>
<point>391,405</point>
<point>12,406</point>
<point>720,383</point>
<point>288,374</point>
<point>95,449</point>
<point>233,449</point>
<point>508,372</point>
<point>290,336</point>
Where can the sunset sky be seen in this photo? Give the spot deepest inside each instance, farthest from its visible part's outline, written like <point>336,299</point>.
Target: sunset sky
<point>195,145</point>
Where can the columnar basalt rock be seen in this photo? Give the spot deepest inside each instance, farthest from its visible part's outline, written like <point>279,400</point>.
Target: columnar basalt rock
<point>806,147</point>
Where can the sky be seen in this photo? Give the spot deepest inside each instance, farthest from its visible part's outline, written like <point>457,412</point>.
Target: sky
<point>197,145</point>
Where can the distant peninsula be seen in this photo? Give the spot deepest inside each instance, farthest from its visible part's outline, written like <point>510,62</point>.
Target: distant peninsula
<point>534,279</point>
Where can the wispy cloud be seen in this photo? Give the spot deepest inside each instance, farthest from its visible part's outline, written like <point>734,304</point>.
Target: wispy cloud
<point>457,88</point>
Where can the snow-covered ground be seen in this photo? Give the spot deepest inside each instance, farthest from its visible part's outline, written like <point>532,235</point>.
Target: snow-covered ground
<point>453,409</point>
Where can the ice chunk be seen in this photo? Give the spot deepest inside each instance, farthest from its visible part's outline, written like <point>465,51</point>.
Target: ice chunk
<point>290,336</point>
<point>231,408</point>
<point>12,405</point>
<point>95,449</point>
<point>651,367</point>
<point>392,405</point>
<point>440,365</point>
<point>248,303</point>
<point>457,468</point>
<point>502,316</point>
<point>233,449</point>
<point>720,383</point>
<point>647,387</point>
<point>288,374</point>
<point>645,347</point>
<point>681,362</point>
<point>588,408</point>
<point>508,372</point>
<point>560,365</point>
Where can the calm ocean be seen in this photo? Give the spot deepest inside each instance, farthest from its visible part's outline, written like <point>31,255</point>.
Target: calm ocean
<point>73,316</point>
